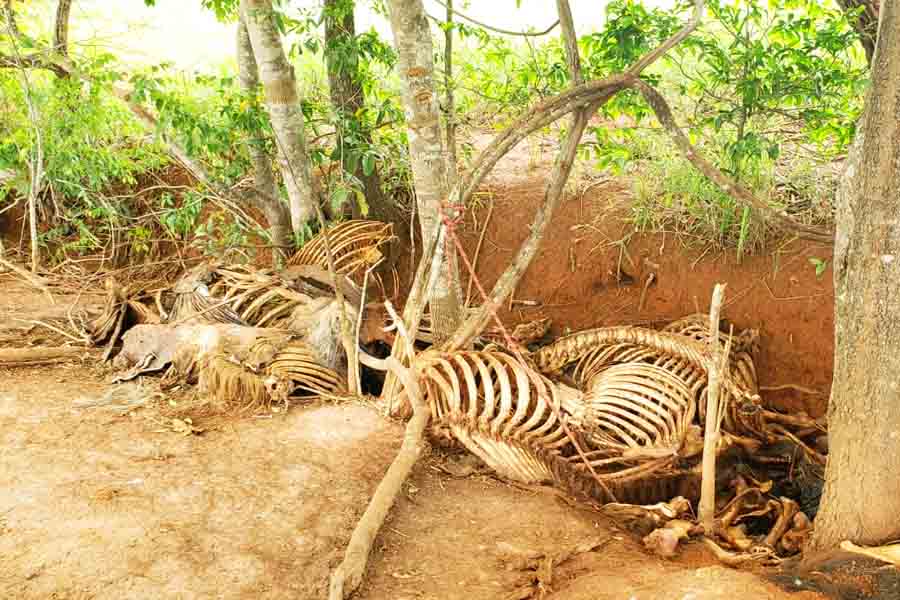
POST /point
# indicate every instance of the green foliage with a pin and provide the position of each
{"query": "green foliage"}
(762, 67)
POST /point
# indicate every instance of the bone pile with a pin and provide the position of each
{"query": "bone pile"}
(250, 338)
(615, 416)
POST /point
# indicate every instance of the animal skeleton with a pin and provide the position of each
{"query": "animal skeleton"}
(355, 246)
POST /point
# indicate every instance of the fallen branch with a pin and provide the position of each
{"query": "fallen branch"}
(348, 576)
(780, 219)
(26, 357)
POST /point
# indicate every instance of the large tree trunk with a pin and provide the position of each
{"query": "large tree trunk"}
(283, 105)
(415, 51)
(347, 95)
(861, 499)
(276, 212)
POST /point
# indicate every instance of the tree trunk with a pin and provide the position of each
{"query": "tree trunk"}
(861, 499)
(276, 212)
(866, 24)
(415, 51)
(449, 101)
(61, 27)
(283, 105)
(347, 96)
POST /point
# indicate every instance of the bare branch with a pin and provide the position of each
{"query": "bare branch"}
(707, 507)
(451, 10)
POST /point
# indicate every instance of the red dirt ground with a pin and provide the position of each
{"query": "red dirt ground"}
(98, 505)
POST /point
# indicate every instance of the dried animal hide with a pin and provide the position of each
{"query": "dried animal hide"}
(318, 322)
(150, 348)
(120, 311)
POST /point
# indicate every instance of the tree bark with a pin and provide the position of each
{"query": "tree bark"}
(276, 212)
(415, 51)
(861, 498)
(347, 96)
(282, 103)
(61, 27)
(449, 101)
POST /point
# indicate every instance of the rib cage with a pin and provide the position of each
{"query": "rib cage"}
(638, 410)
(509, 416)
(488, 401)
(355, 246)
(257, 296)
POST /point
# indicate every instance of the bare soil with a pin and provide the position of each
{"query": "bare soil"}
(95, 504)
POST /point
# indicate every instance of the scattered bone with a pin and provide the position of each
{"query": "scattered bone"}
(538, 566)
(664, 540)
(787, 509)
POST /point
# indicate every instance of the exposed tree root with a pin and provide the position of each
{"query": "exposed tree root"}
(348, 576)
(24, 357)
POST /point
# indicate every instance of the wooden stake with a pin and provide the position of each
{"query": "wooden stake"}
(707, 508)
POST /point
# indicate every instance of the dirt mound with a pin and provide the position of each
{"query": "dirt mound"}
(96, 506)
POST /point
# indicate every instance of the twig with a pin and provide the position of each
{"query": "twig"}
(359, 319)
(348, 576)
(650, 279)
(792, 386)
(452, 10)
(707, 508)
(81, 340)
(478, 250)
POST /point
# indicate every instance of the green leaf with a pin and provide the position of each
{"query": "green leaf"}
(368, 164)
(820, 265)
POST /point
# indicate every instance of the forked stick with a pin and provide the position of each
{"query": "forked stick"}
(348, 576)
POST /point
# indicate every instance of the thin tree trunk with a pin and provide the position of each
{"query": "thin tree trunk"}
(415, 51)
(61, 27)
(449, 101)
(36, 164)
(282, 102)
(347, 95)
(866, 24)
(861, 498)
(276, 212)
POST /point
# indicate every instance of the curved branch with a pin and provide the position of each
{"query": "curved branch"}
(779, 219)
(497, 29)
(586, 99)
(61, 29)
